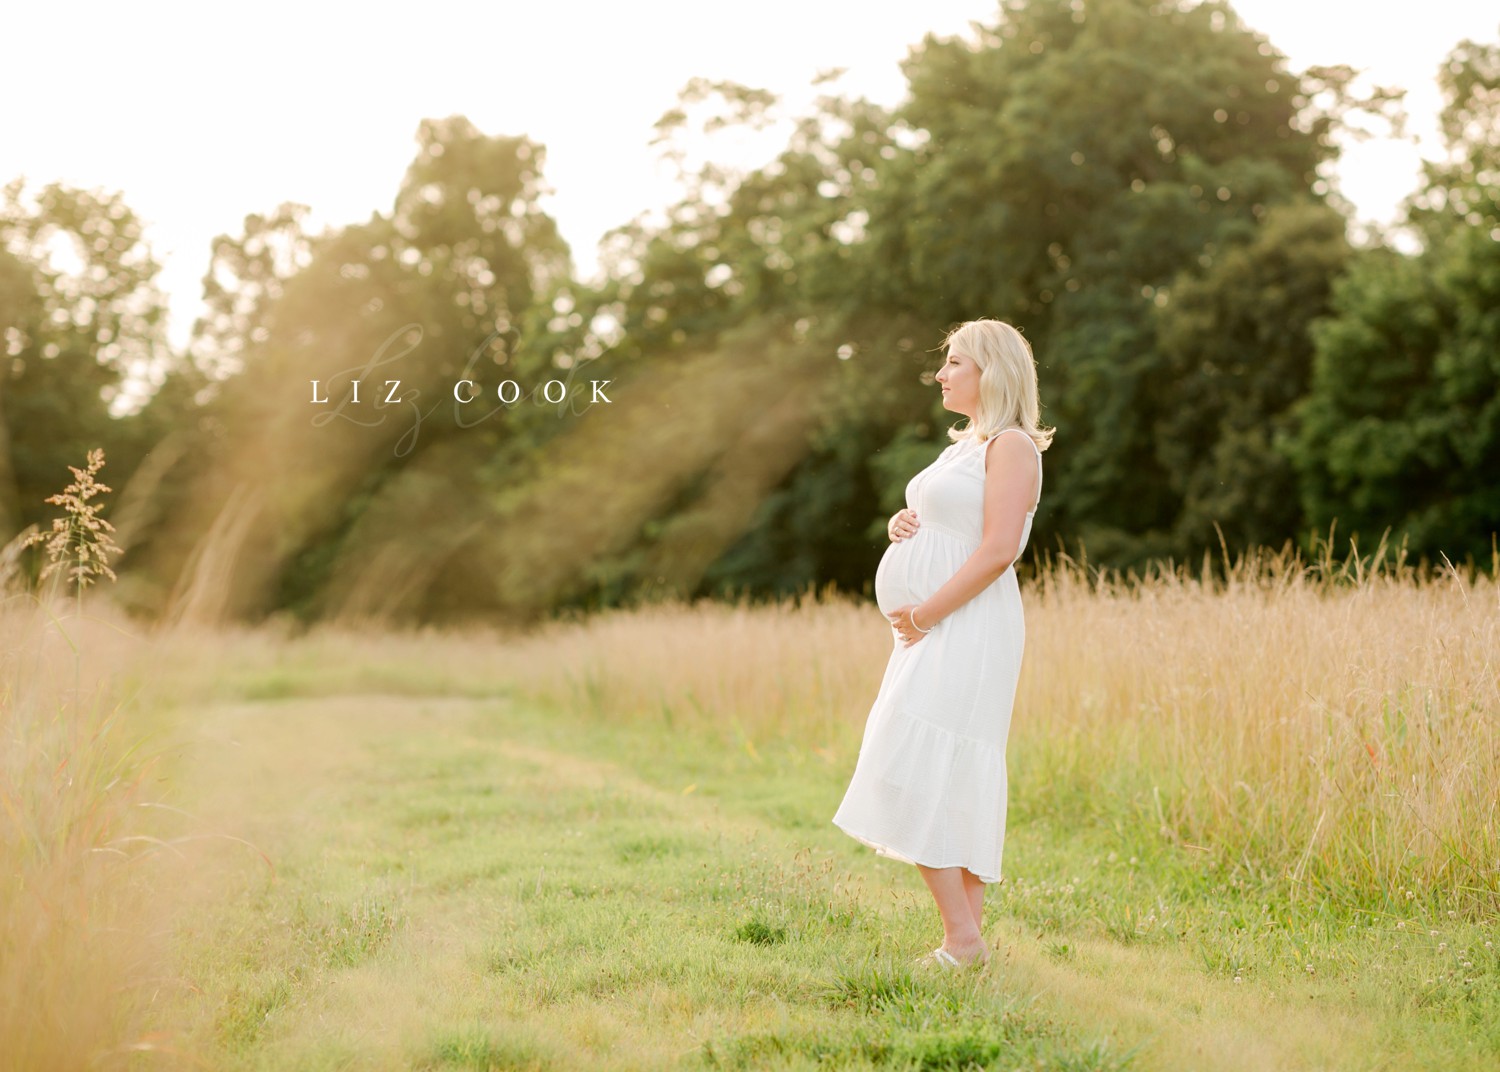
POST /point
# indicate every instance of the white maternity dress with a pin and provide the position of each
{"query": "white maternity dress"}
(929, 786)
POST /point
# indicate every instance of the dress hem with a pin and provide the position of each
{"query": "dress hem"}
(882, 849)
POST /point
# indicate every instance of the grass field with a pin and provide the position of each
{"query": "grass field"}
(1252, 826)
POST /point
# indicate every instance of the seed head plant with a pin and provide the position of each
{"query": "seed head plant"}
(80, 538)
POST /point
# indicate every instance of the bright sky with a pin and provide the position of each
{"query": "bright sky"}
(204, 113)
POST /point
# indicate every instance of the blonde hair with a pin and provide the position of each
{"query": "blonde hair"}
(1008, 396)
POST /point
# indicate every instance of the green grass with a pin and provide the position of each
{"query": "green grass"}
(468, 884)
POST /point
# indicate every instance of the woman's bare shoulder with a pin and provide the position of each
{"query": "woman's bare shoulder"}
(1009, 447)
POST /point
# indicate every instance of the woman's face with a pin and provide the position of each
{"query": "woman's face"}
(959, 378)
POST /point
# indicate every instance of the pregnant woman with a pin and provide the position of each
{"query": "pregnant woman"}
(930, 783)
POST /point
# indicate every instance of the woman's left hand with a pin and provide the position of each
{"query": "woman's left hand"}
(901, 621)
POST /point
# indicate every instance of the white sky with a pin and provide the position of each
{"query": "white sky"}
(203, 113)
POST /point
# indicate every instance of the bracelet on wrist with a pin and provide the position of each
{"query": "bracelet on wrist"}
(913, 615)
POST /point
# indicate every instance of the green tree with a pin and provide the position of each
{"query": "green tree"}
(435, 291)
(1073, 163)
(1076, 169)
(765, 254)
(1401, 426)
(1235, 336)
(80, 316)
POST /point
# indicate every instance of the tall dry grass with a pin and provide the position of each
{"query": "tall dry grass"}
(1321, 726)
(78, 944)
(1324, 727)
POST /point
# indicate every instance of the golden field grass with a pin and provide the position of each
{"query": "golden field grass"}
(606, 841)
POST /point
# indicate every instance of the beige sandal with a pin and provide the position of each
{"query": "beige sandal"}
(944, 959)
(940, 957)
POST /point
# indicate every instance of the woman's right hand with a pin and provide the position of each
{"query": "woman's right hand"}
(903, 523)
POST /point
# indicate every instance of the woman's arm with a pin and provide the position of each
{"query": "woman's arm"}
(1009, 493)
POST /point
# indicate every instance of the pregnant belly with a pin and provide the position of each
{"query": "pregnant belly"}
(894, 577)
(911, 570)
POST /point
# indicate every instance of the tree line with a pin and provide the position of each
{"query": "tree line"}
(1142, 187)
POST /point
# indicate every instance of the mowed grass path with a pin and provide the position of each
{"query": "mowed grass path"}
(452, 883)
